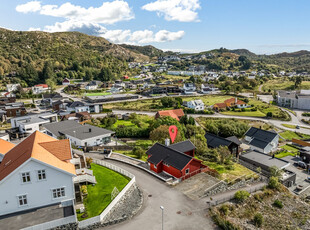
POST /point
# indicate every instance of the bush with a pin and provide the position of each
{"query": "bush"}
(138, 152)
(277, 203)
(224, 209)
(269, 114)
(241, 195)
(243, 109)
(258, 220)
(273, 183)
(258, 197)
(84, 189)
(106, 110)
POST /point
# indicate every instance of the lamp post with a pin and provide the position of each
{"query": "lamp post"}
(162, 217)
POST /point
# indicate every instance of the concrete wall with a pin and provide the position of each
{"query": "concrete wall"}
(39, 193)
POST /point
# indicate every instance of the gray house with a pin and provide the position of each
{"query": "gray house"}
(262, 140)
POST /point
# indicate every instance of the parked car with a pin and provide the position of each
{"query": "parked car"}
(297, 127)
(302, 164)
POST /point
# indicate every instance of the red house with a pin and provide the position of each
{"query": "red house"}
(176, 160)
(175, 113)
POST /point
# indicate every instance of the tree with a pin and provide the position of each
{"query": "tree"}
(47, 72)
(273, 182)
(269, 114)
(51, 83)
(138, 152)
(224, 155)
(241, 195)
(275, 171)
(258, 220)
(298, 81)
(161, 133)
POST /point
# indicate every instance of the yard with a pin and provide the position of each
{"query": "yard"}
(143, 119)
(99, 196)
(98, 94)
(282, 84)
(289, 135)
(288, 150)
(231, 173)
(245, 113)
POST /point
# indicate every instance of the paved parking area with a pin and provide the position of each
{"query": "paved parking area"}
(34, 217)
(301, 174)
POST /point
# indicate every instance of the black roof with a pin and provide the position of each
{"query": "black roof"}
(76, 104)
(183, 146)
(260, 134)
(259, 143)
(51, 96)
(216, 141)
(234, 139)
(176, 159)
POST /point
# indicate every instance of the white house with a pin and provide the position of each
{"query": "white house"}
(79, 135)
(41, 88)
(262, 140)
(197, 105)
(36, 173)
(93, 85)
(12, 87)
(207, 89)
(78, 106)
(31, 123)
(294, 99)
(189, 88)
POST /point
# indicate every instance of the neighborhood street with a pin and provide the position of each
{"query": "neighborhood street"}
(180, 212)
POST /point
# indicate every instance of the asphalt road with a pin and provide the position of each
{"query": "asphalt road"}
(180, 212)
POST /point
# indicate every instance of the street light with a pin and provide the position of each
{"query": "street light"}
(162, 217)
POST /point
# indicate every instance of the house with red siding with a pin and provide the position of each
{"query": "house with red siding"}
(176, 160)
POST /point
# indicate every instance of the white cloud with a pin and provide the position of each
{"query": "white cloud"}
(33, 6)
(175, 10)
(107, 13)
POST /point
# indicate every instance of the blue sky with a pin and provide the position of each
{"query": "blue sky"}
(262, 26)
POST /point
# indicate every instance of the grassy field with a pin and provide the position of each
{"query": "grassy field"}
(144, 121)
(282, 84)
(289, 135)
(289, 126)
(98, 94)
(99, 196)
(230, 174)
(290, 148)
(284, 154)
(245, 113)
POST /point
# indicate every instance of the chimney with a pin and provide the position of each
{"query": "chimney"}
(90, 130)
(167, 142)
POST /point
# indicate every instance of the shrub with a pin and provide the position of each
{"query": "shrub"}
(224, 224)
(84, 189)
(258, 220)
(224, 209)
(277, 203)
(241, 195)
(258, 197)
(269, 114)
(273, 183)
(243, 109)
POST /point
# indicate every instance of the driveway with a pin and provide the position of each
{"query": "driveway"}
(180, 212)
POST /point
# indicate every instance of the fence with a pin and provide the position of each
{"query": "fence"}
(97, 219)
(230, 197)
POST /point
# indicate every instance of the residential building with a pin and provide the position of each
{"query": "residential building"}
(78, 107)
(36, 173)
(232, 143)
(231, 102)
(189, 88)
(294, 99)
(93, 85)
(29, 124)
(4, 136)
(197, 105)
(66, 81)
(304, 154)
(262, 140)
(114, 97)
(175, 113)
(14, 109)
(12, 87)
(80, 116)
(173, 160)
(2, 115)
(41, 88)
(79, 135)
(207, 89)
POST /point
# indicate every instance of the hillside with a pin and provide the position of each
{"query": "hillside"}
(67, 52)
(149, 51)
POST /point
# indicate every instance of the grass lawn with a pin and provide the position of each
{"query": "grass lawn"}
(228, 174)
(290, 148)
(99, 196)
(98, 94)
(289, 135)
(144, 121)
(284, 154)
(284, 85)
(245, 113)
(289, 126)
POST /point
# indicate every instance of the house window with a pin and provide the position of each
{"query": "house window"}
(22, 200)
(187, 171)
(58, 192)
(26, 177)
(41, 174)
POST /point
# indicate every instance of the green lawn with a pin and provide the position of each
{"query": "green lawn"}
(283, 84)
(144, 121)
(290, 148)
(284, 154)
(245, 113)
(99, 196)
(98, 94)
(289, 135)
(123, 122)
(230, 174)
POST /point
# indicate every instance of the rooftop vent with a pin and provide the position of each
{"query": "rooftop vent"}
(90, 130)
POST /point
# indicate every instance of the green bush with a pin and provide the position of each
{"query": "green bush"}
(258, 220)
(277, 203)
(224, 224)
(258, 197)
(224, 209)
(241, 195)
(273, 183)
